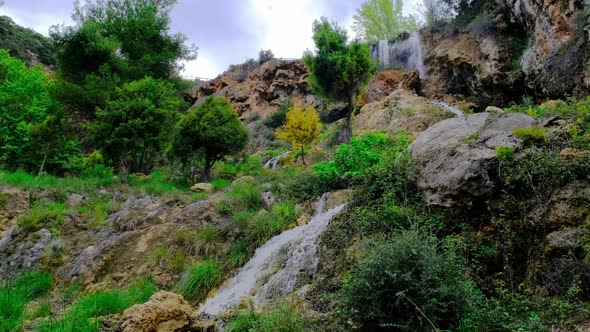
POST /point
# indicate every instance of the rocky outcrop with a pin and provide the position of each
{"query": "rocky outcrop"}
(257, 91)
(453, 157)
(164, 312)
(401, 110)
(556, 61)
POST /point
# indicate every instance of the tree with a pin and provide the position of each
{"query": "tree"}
(265, 56)
(301, 128)
(30, 119)
(134, 125)
(379, 20)
(115, 42)
(436, 12)
(210, 131)
(338, 70)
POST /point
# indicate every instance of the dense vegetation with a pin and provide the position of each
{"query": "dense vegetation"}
(110, 128)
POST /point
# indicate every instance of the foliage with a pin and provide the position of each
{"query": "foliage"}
(86, 312)
(436, 12)
(352, 159)
(282, 318)
(135, 124)
(531, 134)
(382, 20)
(32, 122)
(15, 294)
(211, 130)
(43, 215)
(411, 282)
(207, 241)
(279, 117)
(245, 196)
(265, 56)
(25, 44)
(505, 153)
(199, 280)
(301, 128)
(338, 69)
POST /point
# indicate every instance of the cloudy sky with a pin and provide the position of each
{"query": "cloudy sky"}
(226, 31)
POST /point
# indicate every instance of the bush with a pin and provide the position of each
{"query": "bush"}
(530, 135)
(265, 56)
(354, 158)
(409, 282)
(279, 117)
(43, 215)
(199, 280)
(246, 197)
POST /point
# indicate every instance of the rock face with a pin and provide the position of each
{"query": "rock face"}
(401, 110)
(256, 91)
(556, 60)
(453, 156)
(164, 312)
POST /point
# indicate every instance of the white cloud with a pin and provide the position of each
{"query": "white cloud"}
(38, 21)
(202, 67)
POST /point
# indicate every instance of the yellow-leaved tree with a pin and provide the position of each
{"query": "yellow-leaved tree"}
(301, 128)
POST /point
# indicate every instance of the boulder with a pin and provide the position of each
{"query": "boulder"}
(453, 157)
(494, 109)
(202, 187)
(75, 200)
(163, 312)
(565, 240)
(401, 110)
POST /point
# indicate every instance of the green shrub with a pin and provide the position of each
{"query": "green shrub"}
(33, 284)
(285, 211)
(279, 117)
(530, 135)
(409, 282)
(505, 153)
(302, 185)
(357, 156)
(219, 184)
(199, 280)
(238, 253)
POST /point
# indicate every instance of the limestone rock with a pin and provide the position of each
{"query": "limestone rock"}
(164, 312)
(75, 200)
(453, 156)
(494, 109)
(202, 187)
(566, 240)
(401, 110)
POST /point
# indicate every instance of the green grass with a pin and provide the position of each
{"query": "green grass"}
(530, 135)
(15, 295)
(199, 280)
(245, 197)
(43, 215)
(84, 313)
(207, 241)
(219, 184)
(282, 318)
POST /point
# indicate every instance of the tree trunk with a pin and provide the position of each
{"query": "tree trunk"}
(207, 170)
(43, 163)
(345, 133)
(303, 156)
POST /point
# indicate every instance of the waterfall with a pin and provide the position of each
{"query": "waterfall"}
(277, 267)
(448, 107)
(383, 53)
(415, 60)
(273, 163)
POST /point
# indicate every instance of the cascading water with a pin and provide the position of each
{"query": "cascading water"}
(383, 53)
(415, 60)
(276, 267)
(273, 163)
(448, 107)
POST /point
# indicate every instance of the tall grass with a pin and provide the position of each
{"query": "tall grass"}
(282, 318)
(246, 197)
(15, 295)
(84, 314)
(199, 280)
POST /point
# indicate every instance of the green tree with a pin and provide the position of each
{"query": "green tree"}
(135, 124)
(338, 69)
(115, 42)
(26, 44)
(301, 128)
(30, 120)
(379, 20)
(210, 131)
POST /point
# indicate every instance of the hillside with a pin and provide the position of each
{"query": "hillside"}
(435, 181)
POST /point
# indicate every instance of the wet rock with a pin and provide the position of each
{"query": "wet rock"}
(202, 187)
(454, 156)
(163, 312)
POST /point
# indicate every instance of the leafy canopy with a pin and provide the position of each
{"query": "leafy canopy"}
(379, 20)
(136, 123)
(338, 69)
(301, 128)
(26, 112)
(211, 130)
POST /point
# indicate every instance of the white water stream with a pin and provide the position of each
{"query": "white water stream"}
(278, 267)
